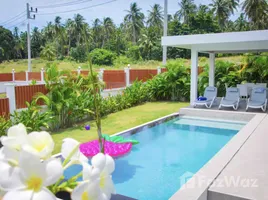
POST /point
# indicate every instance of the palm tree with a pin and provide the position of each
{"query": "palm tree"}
(155, 18)
(18, 47)
(48, 31)
(147, 41)
(48, 52)
(108, 29)
(187, 7)
(257, 12)
(79, 22)
(97, 33)
(134, 21)
(232, 4)
(241, 24)
(70, 29)
(222, 10)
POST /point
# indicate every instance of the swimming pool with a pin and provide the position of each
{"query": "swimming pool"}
(165, 153)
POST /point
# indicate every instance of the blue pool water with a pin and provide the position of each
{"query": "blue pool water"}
(153, 168)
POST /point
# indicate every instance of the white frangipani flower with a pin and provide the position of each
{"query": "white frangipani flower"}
(16, 137)
(35, 176)
(39, 143)
(71, 146)
(9, 160)
(105, 164)
(90, 187)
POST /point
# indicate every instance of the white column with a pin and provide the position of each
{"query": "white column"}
(212, 69)
(194, 74)
(165, 31)
(158, 70)
(27, 76)
(78, 70)
(13, 75)
(126, 69)
(101, 74)
(42, 75)
(10, 92)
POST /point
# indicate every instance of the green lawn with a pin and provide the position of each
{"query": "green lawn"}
(119, 121)
(37, 64)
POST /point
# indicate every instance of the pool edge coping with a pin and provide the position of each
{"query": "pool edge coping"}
(212, 169)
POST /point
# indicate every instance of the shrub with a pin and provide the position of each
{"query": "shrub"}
(79, 53)
(171, 85)
(102, 57)
(33, 117)
(134, 53)
(121, 61)
(4, 125)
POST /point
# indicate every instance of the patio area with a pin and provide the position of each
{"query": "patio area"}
(233, 42)
(241, 108)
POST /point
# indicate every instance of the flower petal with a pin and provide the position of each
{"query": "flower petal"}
(17, 131)
(7, 153)
(31, 165)
(54, 171)
(43, 194)
(10, 176)
(79, 190)
(40, 143)
(67, 147)
(98, 161)
(90, 173)
(90, 189)
(109, 165)
(108, 188)
(21, 194)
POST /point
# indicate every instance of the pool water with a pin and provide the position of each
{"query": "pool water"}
(165, 153)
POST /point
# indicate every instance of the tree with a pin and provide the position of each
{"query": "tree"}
(48, 52)
(257, 12)
(6, 44)
(134, 21)
(79, 27)
(18, 47)
(241, 24)
(70, 30)
(155, 18)
(36, 42)
(187, 8)
(147, 41)
(221, 10)
(108, 29)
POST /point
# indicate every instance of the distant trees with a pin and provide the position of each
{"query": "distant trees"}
(138, 36)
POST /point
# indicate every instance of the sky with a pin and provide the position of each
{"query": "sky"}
(115, 9)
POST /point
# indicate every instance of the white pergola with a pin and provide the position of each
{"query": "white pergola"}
(233, 42)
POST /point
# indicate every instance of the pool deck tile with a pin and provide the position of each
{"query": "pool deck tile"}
(250, 163)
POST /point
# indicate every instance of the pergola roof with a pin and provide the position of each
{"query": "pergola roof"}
(233, 42)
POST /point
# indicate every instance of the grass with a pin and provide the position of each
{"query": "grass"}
(119, 121)
(37, 64)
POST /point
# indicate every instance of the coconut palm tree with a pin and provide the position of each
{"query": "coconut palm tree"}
(155, 18)
(257, 12)
(97, 33)
(232, 4)
(70, 30)
(241, 24)
(48, 31)
(187, 7)
(108, 29)
(134, 21)
(79, 22)
(221, 8)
